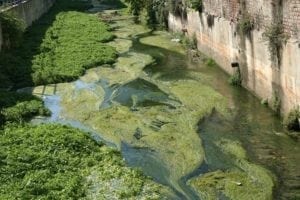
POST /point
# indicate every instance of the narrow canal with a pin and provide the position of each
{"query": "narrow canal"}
(179, 121)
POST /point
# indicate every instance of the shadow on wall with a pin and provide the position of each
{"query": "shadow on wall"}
(17, 54)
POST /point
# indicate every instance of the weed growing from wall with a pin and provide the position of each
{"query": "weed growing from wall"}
(236, 78)
(195, 4)
(245, 24)
(275, 36)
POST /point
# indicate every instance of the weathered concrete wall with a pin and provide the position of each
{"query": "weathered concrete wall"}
(29, 11)
(217, 36)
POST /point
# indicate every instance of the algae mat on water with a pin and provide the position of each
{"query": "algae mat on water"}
(165, 128)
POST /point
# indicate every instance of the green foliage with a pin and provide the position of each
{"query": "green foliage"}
(195, 4)
(54, 161)
(190, 43)
(210, 62)
(58, 47)
(12, 30)
(276, 37)
(136, 6)
(291, 122)
(245, 24)
(70, 46)
(236, 79)
(20, 107)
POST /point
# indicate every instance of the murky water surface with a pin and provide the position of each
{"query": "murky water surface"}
(180, 122)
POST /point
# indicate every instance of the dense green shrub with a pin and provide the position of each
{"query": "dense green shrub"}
(54, 161)
(72, 44)
(137, 6)
(58, 47)
(20, 107)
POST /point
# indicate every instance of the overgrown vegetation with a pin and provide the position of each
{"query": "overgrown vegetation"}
(195, 4)
(58, 48)
(157, 10)
(236, 78)
(54, 162)
(245, 24)
(20, 107)
(292, 121)
(210, 62)
(276, 37)
(190, 43)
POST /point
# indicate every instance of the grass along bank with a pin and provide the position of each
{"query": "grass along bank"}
(58, 47)
(54, 161)
(59, 162)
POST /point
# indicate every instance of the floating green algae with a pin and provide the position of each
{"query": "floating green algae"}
(243, 180)
(169, 132)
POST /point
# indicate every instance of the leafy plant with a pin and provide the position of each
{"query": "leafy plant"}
(20, 107)
(210, 62)
(55, 161)
(190, 43)
(245, 24)
(195, 4)
(236, 79)
(59, 47)
(276, 37)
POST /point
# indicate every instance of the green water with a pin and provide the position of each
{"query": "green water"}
(179, 121)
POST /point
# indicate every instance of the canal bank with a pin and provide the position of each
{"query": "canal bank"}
(149, 104)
